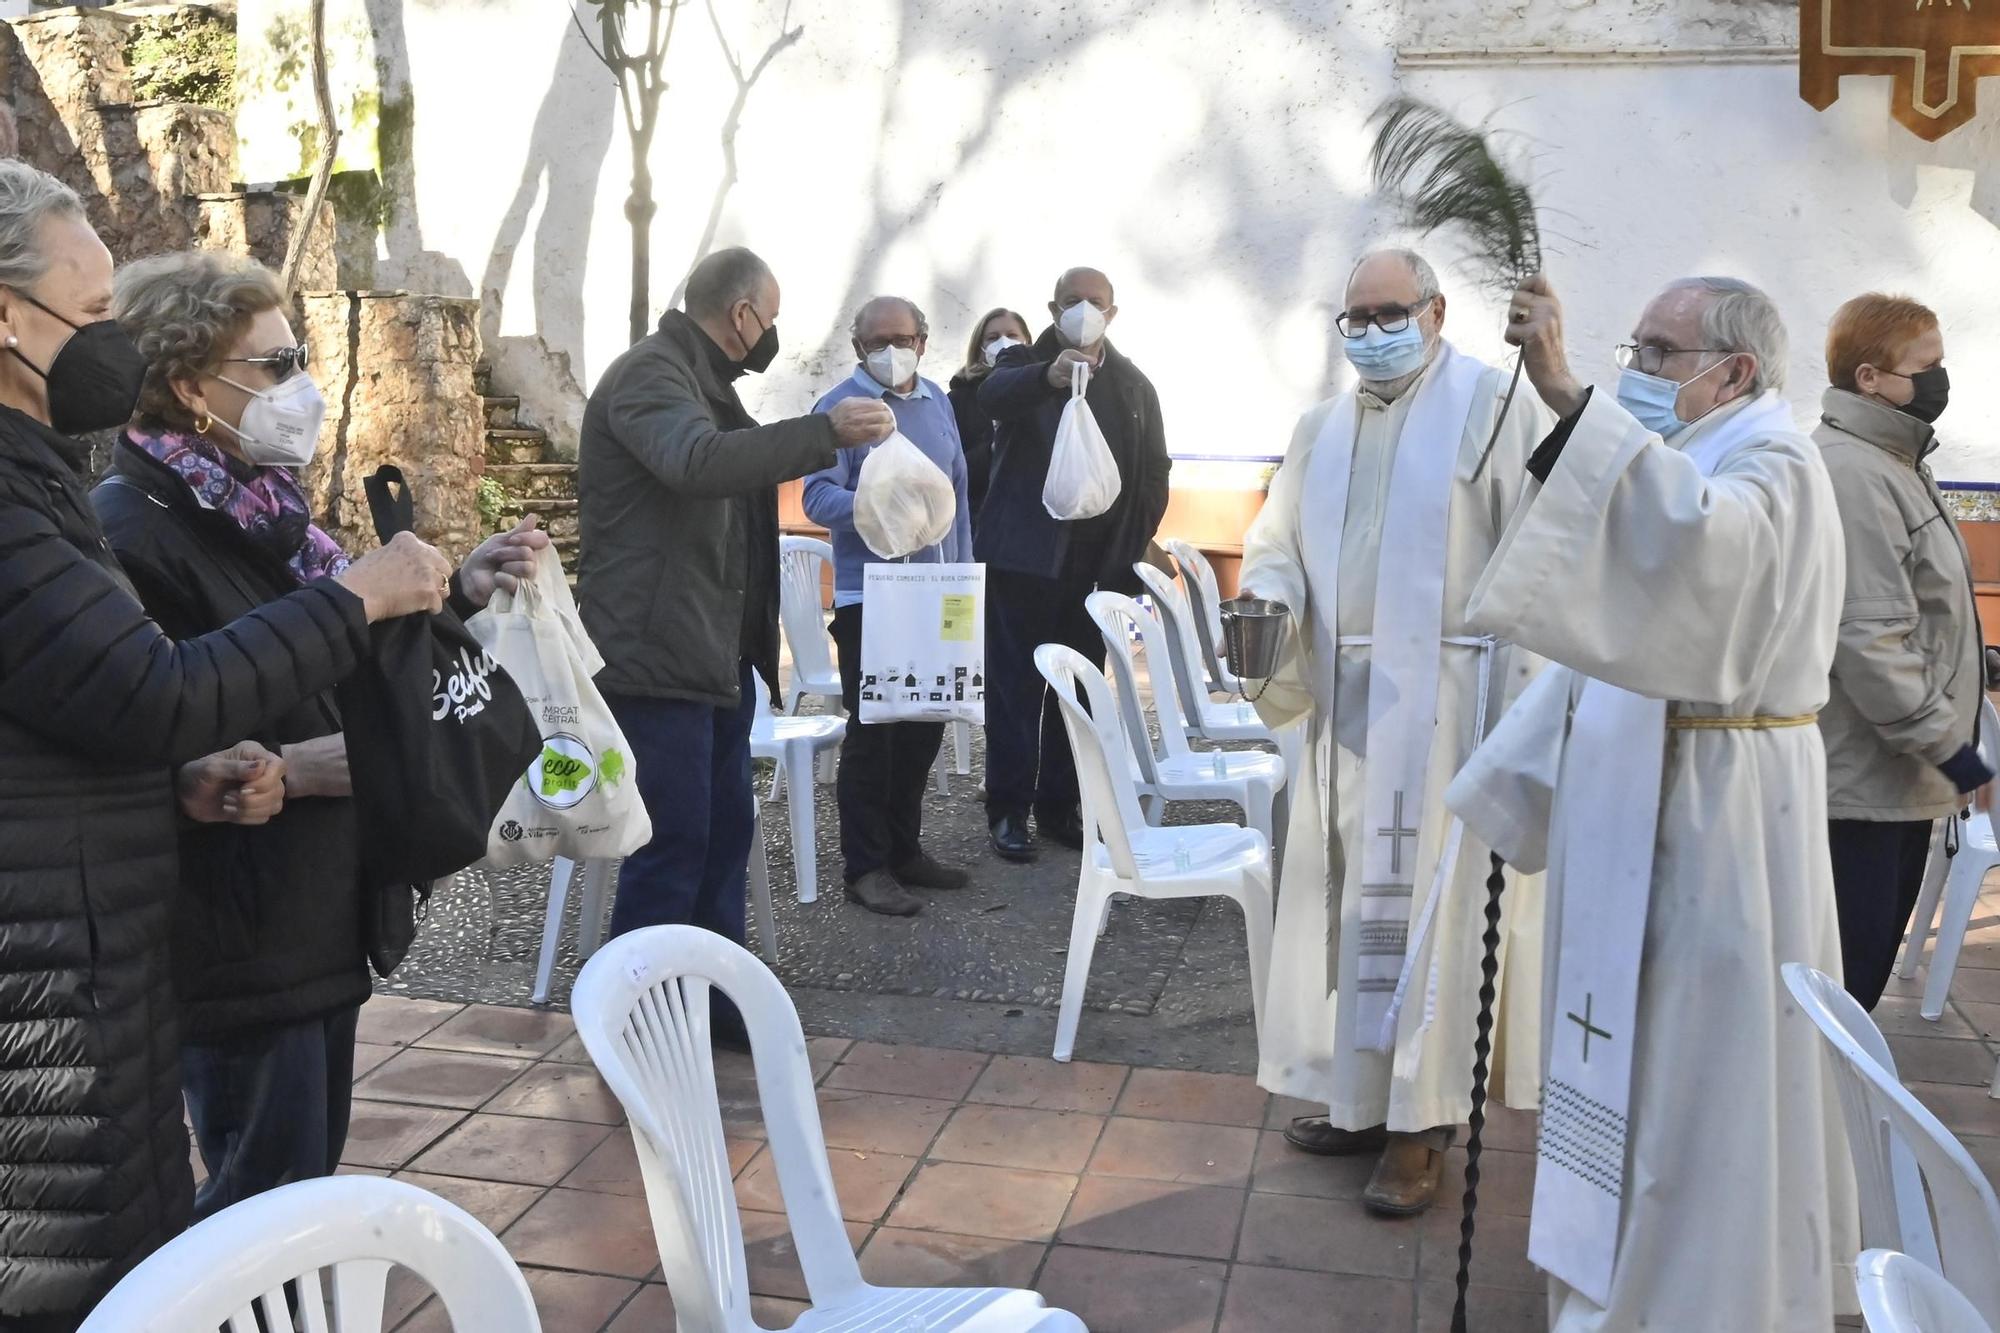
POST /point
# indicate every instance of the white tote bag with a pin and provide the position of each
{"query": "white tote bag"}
(1083, 476)
(923, 643)
(904, 502)
(579, 798)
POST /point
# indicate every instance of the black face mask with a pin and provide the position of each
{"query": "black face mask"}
(1931, 394)
(765, 350)
(94, 379)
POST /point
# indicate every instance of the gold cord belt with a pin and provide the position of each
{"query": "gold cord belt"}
(1698, 722)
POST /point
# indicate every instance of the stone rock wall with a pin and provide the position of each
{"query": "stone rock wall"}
(397, 372)
(1597, 23)
(259, 223)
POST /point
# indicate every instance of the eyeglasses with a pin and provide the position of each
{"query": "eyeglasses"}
(905, 341)
(1389, 319)
(1647, 359)
(280, 363)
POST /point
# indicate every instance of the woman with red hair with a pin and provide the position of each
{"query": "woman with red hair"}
(1907, 674)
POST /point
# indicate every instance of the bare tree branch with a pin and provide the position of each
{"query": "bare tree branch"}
(329, 148)
(584, 33)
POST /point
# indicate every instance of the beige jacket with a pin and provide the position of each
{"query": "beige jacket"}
(1908, 671)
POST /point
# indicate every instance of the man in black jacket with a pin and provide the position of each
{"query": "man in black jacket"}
(679, 577)
(1040, 569)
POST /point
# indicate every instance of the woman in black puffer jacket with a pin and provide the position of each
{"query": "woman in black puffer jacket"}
(97, 706)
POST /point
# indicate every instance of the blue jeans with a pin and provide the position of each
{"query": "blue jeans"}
(693, 767)
(269, 1107)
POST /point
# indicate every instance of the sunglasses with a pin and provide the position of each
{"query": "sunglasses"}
(280, 363)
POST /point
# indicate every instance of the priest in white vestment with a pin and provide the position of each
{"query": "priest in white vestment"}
(1680, 556)
(1390, 502)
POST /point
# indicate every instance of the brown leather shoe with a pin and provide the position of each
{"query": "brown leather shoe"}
(1313, 1134)
(1407, 1179)
(877, 892)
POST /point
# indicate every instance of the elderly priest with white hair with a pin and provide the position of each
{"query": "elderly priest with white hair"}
(1680, 557)
(1391, 500)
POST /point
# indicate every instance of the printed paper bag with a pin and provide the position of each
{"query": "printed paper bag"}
(923, 643)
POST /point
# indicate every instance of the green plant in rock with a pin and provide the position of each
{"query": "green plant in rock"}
(493, 502)
(190, 57)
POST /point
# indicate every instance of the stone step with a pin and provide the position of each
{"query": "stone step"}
(503, 411)
(513, 446)
(559, 517)
(535, 481)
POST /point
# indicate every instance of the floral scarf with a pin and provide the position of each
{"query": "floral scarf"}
(266, 502)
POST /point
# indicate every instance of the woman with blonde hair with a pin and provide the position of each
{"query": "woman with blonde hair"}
(997, 330)
(1908, 670)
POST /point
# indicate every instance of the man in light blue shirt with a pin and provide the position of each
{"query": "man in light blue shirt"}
(884, 767)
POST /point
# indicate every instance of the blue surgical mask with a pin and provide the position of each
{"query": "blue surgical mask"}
(1380, 356)
(1651, 399)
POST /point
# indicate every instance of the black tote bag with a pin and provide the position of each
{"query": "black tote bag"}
(436, 735)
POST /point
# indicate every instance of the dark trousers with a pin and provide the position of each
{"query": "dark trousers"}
(884, 768)
(1028, 761)
(694, 776)
(269, 1107)
(1878, 870)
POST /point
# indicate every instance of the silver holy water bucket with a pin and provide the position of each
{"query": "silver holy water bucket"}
(1253, 634)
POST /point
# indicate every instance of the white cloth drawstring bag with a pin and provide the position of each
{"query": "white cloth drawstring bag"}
(1083, 476)
(903, 502)
(580, 798)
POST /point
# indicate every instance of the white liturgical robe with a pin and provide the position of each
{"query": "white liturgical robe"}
(1702, 580)
(1324, 1037)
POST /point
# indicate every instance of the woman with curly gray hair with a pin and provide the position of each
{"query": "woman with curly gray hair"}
(97, 708)
(202, 507)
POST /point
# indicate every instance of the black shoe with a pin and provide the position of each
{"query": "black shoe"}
(1065, 828)
(923, 872)
(1009, 835)
(877, 892)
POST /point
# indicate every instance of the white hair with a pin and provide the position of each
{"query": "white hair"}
(874, 303)
(28, 198)
(1739, 317)
(1420, 269)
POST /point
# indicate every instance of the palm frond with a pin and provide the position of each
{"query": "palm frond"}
(1444, 174)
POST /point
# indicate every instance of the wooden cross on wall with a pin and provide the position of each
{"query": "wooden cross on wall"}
(1935, 52)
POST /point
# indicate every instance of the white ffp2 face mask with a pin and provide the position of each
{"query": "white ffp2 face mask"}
(892, 367)
(993, 349)
(280, 426)
(1083, 324)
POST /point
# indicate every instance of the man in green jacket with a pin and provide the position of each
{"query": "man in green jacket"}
(679, 578)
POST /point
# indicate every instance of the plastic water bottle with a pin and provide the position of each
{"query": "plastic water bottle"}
(1220, 769)
(1182, 861)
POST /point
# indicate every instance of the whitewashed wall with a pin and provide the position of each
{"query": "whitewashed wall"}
(1209, 154)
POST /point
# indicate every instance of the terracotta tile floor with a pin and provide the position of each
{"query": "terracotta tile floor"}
(1146, 1201)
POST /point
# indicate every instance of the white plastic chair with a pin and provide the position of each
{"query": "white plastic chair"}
(1204, 597)
(1900, 1295)
(334, 1237)
(1127, 855)
(793, 743)
(1978, 853)
(1937, 864)
(642, 1008)
(590, 913)
(1251, 779)
(589, 917)
(801, 565)
(1902, 1153)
